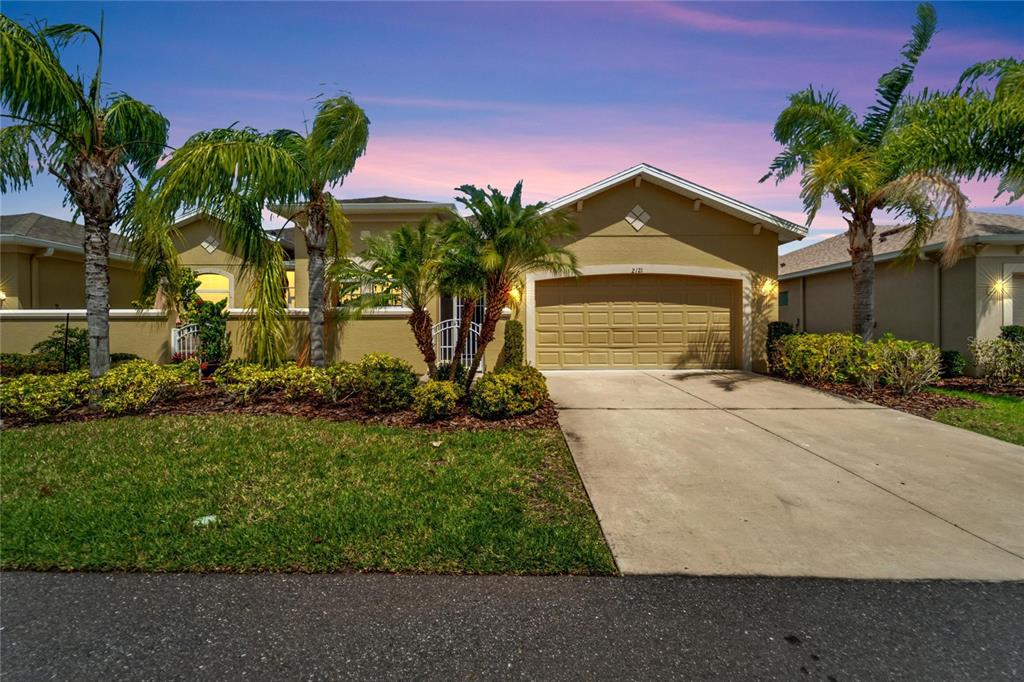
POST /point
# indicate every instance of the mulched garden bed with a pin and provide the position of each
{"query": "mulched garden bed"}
(208, 399)
(975, 385)
(924, 404)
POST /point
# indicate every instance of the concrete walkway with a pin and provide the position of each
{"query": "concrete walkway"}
(731, 473)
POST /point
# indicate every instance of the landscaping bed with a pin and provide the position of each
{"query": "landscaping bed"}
(923, 404)
(248, 492)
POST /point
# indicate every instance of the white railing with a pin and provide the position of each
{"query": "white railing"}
(446, 334)
(185, 340)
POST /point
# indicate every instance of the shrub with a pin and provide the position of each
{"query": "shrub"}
(344, 381)
(244, 381)
(186, 371)
(508, 393)
(52, 347)
(38, 397)
(908, 365)
(16, 364)
(776, 331)
(823, 358)
(212, 318)
(132, 386)
(953, 364)
(301, 382)
(999, 361)
(512, 350)
(386, 383)
(443, 369)
(1012, 332)
(435, 400)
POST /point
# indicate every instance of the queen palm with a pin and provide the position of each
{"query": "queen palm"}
(905, 156)
(511, 241)
(405, 260)
(86, 140)
(228, 171)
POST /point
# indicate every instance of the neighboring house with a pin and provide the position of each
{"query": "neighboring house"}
(672, 275)
(944, 306)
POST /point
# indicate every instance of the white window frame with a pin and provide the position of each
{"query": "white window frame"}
(1009, 270)
(223, 273)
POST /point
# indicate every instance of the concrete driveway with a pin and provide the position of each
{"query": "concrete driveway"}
(731, 473)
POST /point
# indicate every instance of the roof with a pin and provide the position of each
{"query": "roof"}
(381, 204)
(383, 199)
(787, 231)
(35, 229)
(889, 240)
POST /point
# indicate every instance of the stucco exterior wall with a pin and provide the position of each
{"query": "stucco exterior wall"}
(995, 302)
(34, 280)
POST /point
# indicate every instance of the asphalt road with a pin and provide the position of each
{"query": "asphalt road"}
(136, 626)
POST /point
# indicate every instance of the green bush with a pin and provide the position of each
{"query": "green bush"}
(38, 397)
(344, 381)
(953, 364)
(999, 361)
(133, 386)
(117, 358)
(301, 382)
(386, 383)
(508, 393)
(821, 358)
(908, 365)
(1012, 332)
(244, 381)
(776, 331)
(512, 351)
(186, 371)
(52, 347)
(443, 369)
(435, 400)
(16, 364)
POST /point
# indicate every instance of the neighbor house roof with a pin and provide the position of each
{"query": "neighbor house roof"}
(787, 231)
(42, 231)
(831, 254)
(381, 204)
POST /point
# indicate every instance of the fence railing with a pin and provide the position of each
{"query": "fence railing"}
(185, 341)
(446, 333)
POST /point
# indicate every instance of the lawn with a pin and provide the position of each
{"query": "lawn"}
(292, 494)
(999, 416)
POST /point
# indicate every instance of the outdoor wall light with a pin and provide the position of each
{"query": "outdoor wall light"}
(515, 295)
(1000, 287)
(769, 287)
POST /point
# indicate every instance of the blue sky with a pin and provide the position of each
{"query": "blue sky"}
(559, 94)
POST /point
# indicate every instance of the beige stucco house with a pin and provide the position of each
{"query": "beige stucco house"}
(944, 306)
(673, 274)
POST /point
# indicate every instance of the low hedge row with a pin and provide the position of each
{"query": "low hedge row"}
(839, 358)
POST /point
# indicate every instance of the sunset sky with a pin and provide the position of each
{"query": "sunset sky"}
(560, 95)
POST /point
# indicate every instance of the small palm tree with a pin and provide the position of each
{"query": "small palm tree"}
(234, 173)
(511, 241)
(86, 140)
(905, 156)
(405, 260)
(462, 275)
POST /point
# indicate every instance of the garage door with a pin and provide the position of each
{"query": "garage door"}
(636, 321)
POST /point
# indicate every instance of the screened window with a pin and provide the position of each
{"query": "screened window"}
(290, 291)
(783, 298)
(394, 295)
(214, 287)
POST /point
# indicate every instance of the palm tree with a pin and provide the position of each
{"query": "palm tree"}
(406, 260)
(229, 172)
(511, 240)
(462, 275)
(86, 140)
(905, 156)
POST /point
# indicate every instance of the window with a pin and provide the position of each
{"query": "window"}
(289, 294)
(783, 298)
(214, 287)
(394, 295)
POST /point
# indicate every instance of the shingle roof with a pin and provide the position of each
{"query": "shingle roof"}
(384, 199)
(45, 228)
(890, 239)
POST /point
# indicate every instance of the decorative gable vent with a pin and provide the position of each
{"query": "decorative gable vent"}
(638, 217)
(210, 244)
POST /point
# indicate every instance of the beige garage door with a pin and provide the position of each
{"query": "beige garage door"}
(636, 321)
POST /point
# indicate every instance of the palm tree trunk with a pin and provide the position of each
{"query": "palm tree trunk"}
(495, 306)
(316, 246)
(95, 184)
(422, 330)
(468, 308)
(862, 260)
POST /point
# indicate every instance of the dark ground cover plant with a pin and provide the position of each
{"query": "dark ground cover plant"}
(1012, 332)
(283, 493)
(776, 331)
(953, 364)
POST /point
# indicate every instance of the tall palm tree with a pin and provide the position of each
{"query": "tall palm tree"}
(905, 156)
(229, 172)
(406, 260)
(512, 240)
(88, 141)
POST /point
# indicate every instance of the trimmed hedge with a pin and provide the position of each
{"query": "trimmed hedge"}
(508, 393)
(513, 352)
(435, 400)
(386, 383)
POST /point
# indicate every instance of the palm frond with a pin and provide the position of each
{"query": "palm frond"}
(812, 120)
(1008, 74)
(151, 236)
(139, 129)
(21, 156)
(925, 197)
(340, 234)
(894, 83)
(835, 168)
(338, 138)
(265, 327)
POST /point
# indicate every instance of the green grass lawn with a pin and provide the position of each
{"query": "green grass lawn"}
(292, 494)
(1000, 417)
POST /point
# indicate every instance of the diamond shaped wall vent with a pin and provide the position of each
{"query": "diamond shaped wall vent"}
(638, 217)
(210, 244)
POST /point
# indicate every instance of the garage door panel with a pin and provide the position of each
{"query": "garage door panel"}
(635, 321)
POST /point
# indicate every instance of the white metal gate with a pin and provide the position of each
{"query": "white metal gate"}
(446, 333)
(185, 341)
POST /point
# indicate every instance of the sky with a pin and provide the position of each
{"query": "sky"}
(560, 95)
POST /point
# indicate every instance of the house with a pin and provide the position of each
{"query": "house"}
(672, 275)
(944, 306)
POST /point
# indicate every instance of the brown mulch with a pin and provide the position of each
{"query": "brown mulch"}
(975, 385)
(208, 399)
(923, 404)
